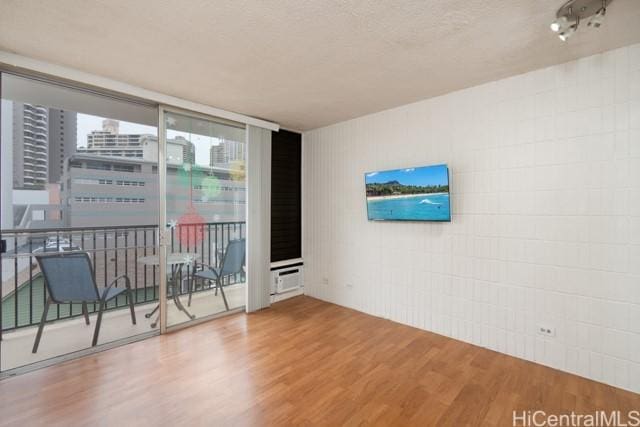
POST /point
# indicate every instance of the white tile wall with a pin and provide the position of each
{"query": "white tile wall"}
(545, 181)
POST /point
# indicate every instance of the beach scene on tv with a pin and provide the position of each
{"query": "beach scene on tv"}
(411, 194)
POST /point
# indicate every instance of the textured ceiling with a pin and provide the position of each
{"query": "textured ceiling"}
(303, 63)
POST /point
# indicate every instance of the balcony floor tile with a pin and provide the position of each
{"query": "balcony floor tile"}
(67, 336)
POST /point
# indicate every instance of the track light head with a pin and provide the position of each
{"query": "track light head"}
(564, 35)
(597, 19)
(569, 31)
(559, 24)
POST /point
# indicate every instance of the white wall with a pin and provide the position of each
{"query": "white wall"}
(546, 216)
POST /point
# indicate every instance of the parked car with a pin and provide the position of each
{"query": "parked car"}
(55, 245)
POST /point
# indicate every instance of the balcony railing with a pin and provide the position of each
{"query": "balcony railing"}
(113, 250)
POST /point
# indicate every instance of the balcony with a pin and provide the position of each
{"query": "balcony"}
(113, 251)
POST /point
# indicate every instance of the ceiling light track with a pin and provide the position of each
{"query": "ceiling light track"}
(571, 13)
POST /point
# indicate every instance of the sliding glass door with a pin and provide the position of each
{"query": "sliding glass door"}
(138, 210)
(80, 192)
(205, 216)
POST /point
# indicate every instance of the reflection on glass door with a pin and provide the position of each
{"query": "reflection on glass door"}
(206, 214)
(79, 208)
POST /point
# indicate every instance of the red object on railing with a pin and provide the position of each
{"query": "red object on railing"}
(190, 228)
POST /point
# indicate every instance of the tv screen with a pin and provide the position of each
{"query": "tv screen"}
(409, 194)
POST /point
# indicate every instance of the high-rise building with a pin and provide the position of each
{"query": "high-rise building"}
(30, 146)
(63, 129)
(38, 141)
(226, 152)
(109, 142)
(235, 150)
(188, 149)
(216, 155)
(42, 137)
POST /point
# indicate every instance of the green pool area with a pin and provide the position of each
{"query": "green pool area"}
(31, 299)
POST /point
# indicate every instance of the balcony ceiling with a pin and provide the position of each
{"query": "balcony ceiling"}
(304, 63)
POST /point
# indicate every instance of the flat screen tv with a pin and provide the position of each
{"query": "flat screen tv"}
(409, 194)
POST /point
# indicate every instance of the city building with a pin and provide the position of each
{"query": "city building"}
(110, 142)
(217, 155)
(63, 129)
(179, 149)
(38, 140)
(101, 191)
(30, 140)
(227, 152)
(41, 138)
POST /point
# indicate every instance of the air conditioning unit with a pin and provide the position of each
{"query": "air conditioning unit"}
(286, 278)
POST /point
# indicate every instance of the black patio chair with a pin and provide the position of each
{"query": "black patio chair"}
(232, 263)
(69, 279)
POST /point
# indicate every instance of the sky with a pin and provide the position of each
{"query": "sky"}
(88, 123)
(426, 175)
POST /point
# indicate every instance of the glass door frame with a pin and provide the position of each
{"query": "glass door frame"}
(163, 232)
(63, 83)
(162, 216)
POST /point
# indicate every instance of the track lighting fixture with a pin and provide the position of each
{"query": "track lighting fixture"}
(570, 14)
(559, 24)
(564, 35)
(597, 19)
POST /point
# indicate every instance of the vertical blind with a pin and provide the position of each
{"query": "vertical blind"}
(258, 218)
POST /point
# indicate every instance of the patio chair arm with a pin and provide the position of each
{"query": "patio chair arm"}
(127, 283)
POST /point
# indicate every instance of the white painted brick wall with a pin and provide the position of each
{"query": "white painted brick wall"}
(545, 179)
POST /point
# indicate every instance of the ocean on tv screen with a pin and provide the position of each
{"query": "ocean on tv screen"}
(410, 194)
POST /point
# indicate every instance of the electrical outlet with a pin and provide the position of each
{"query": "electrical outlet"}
(349, 285)
(325, 281)
(546, 330)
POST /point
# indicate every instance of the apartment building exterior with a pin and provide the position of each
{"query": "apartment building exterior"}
(30, 146)
(227, 152)
(63, 130)
(103, 191)
(111, 143)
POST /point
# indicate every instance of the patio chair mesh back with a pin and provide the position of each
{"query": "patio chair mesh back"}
(69, 277)
(233, 257)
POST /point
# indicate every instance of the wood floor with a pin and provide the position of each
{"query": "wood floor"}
(301, 362)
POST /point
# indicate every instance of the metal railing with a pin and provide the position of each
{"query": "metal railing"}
(113, 250)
